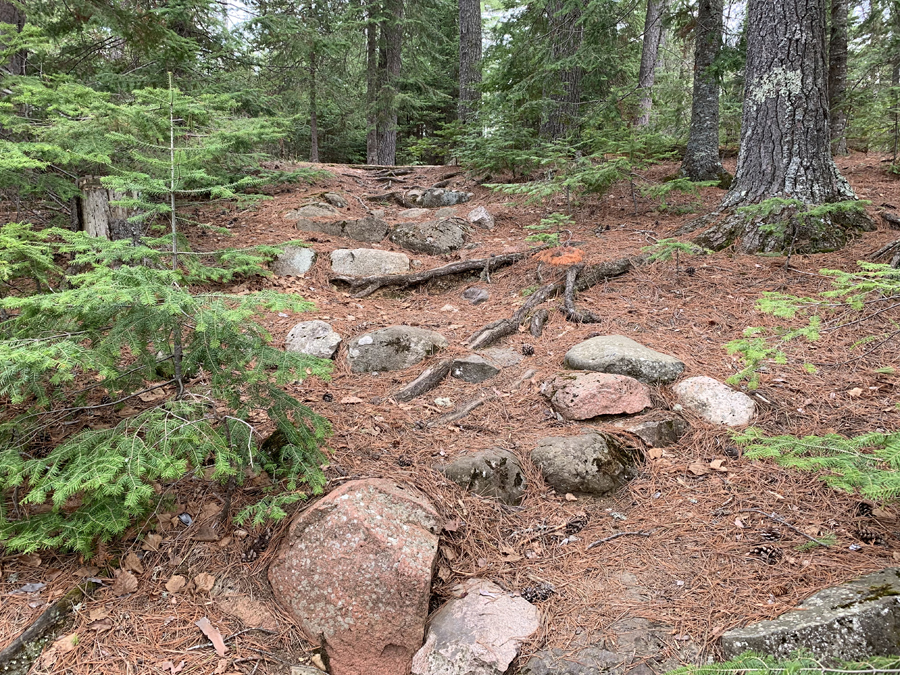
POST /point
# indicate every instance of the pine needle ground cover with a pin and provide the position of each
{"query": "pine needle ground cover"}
(695, 573)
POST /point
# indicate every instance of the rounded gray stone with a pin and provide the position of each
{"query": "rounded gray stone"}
(715, 402)
(490, 473)
(619, 355)
(294, 261)
(315, 338)
(473, 369)
(364, 262)
(393, 348)
(591, 463)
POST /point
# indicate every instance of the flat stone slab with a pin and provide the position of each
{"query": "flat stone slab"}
(657, 433)
(581, 396)
(317, 210)
(850, 622)
(620, 355)
(414, 214)
(393, 348)
(315, 338)
(435, 198)
(432, 237)
(473, 369)
(478, 633)
(364, 262)
(335, 200)
(294, 261)
(490, 473)
(369, 229)
(714, 401)
(588, 463)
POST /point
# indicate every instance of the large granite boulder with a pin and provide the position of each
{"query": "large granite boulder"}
(850, 622)
(365, 262)
(435, 198)
(591, 463)
(490, 473)
(715, 402)
(620, 355)
(355, 573)
(393, 348)
(294, 261)
(315, 338)
(370, 229)
(478, 633)
(432, 237)
(581, 396)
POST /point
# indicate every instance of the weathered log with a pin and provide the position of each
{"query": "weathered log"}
(428, 380)
(373, 283)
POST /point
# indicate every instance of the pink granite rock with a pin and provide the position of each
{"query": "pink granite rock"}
(355, 571)
(580, 396)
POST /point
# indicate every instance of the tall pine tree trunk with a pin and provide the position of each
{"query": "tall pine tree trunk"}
(389, 74)
(313, 122)
(653, 36)
(469, 58)
(785, 137)
(701, 160)
(562, 91)
(11, 14)
(371, 83)
(837, 76)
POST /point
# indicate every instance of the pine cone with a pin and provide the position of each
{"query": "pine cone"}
(769, 554)
(528, 350)
(867, 536)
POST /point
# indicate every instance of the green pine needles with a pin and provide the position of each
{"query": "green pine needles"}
(124, 377)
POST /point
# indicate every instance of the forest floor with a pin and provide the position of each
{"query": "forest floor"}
(693, 573)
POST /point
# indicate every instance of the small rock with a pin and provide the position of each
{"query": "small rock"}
(473, 369)
(657, 433)
(581, 396)
(433, 237)
(435, 198)
(502, 356)
(335, 199)
(294, 261)
(715, 402)
(317, 210)
(481, 217)
(364, 262)
(590, 463)
(449, 308)
(414, 214)
(393, 348)
(315, 338)
(489, 473)
(620, 355)
(479, 633)
(305, 670)
(475, 295)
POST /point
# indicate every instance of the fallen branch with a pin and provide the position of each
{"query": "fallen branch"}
(538, 319)
(460, 412)
(782, 521)
(616, 536)
(18, 656)
(573, 314)
(428, 380)
(892, 219)
(373, 283)
(887, 248)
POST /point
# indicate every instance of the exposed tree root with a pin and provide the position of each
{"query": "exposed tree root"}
(538, 319)
(18, 656)
(572, 314)
(428, 380)
(460, 412)
(893, 247)
(892, 219)
(371, 284)
(590, 276)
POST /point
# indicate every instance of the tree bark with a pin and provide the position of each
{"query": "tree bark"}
(313, 122)
(469, 58)
(562, 90)
(389, 74)
(11, 14)
(371, 84)
(701, 160)
(785, 138)
(653, 34)
(837, 76)
(98, 217)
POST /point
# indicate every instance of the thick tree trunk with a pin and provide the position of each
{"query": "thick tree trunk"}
(469, 58)
(98, 217)
(371, 84)
(313, 122)
(563, 90)
(653, 35)
(11, 14)
(389, 66)
(785, 138)
(837, 76)
(701, 160)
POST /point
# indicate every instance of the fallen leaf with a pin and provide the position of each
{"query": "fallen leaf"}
(221, 666)
(570, 497)
(152, 542)
(716, 465)
(171, 667)
(66, 643)
(206, 533)
(102, 625)
(204, 582)
(444, 572)
(132, 563)
(698, 468)
(30, 560)
(351, 399)
(83, 572)
(451, 526)
(175, 583)
(209, 510)
(856, 392)
(739, 523)
(98, 613)
(655, 453)
(316, 660)
(881, 514)
(125, 583)
(214, 635)
(154, 395)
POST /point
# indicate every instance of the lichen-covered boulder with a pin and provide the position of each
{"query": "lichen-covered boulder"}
(490, 473)
(432, 237)
(355, 572)
(620, 355)
(365, 262)
(294, 261)
(315, 338)
(714, 401)
(591, 463)
(393, 348)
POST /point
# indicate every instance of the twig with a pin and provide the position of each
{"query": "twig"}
(779, 519)
(460, 412)
(616, 536)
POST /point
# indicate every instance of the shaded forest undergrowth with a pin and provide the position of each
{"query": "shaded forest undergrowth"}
(694, 573)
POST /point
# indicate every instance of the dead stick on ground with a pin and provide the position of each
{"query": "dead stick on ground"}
(779, 519)
(428, 380)
(616, 536)
(460, 412)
